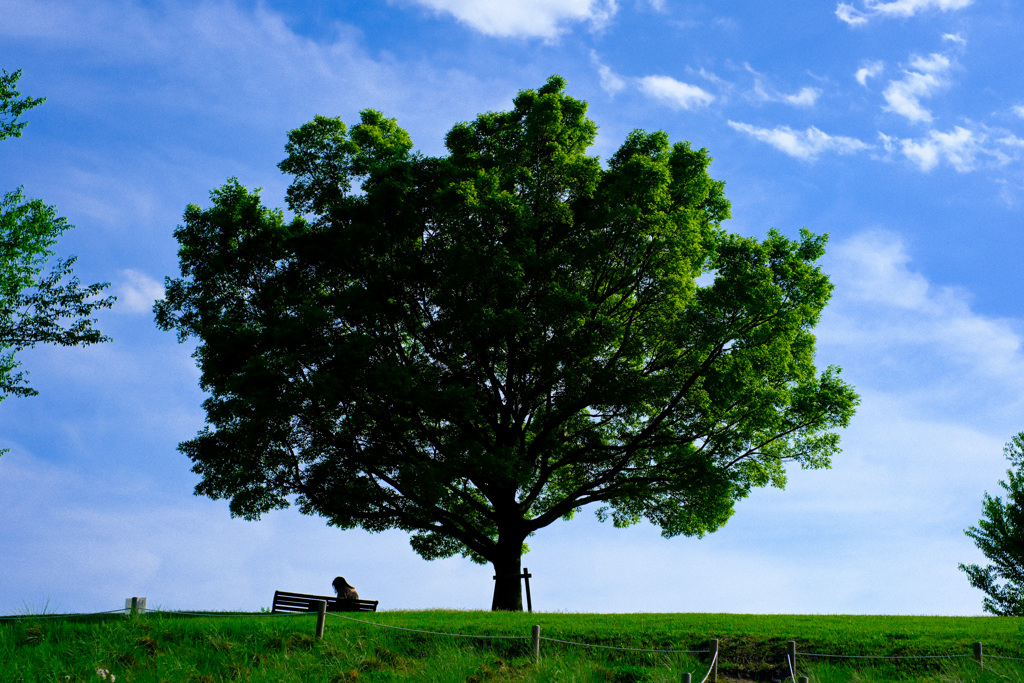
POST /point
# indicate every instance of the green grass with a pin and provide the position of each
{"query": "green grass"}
(163, 647)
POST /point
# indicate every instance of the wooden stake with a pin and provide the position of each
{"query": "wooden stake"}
(526, 576)
(791, 654)
(535, 632)
(978, 655)
(687, 678)
(321, 617)
(714, 656)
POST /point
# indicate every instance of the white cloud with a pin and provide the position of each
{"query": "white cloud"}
(805, 98)
(884, 305)
(851, 15)
(525, 18)
(869, 70)
(1011, 141)
(708, 76)
(807, 144)
(908, 8)
(954, 38)
(676, 94)
(1019, 110)
(895, 8)
(962, 148)
(611, 82)
(923, 79)
(137, 292)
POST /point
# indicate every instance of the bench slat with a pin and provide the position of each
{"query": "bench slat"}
(285, 601)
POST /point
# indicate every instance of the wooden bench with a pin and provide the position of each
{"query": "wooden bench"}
(301, 602)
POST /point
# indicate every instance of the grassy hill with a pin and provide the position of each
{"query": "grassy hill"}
(259, 647)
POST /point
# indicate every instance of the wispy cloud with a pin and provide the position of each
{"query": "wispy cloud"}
(895, 309)
(896, 8)
(137, 292)
(923, 79)
(869, 70)
(611, 82)
(806, 144)
(526, 18)
(806, 97)
(851, 15)
(962, 148)
(675, 94)
(765, 92)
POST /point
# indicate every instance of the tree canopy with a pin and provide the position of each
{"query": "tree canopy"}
(472, 346)
(1000, 536)
(35, 307)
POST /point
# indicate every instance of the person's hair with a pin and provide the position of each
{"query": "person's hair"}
(340, 583)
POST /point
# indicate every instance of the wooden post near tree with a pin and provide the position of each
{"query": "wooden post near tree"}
(978, 655)
(321, 617)
(535, 637)
(526, 577)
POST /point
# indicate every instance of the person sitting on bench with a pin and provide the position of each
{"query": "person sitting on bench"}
(344, 590)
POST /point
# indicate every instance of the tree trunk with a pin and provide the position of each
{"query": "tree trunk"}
(508, 586)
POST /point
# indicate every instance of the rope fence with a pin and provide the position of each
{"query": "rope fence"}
(536, 638)
(1015, 659)
(137, 606)
(978, 656)
(812, 654)
(624, 649)
(62, 615)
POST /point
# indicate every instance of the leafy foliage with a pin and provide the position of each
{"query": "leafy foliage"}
(474, 346)
(1000, 536)
(35, 308)
(11, 107)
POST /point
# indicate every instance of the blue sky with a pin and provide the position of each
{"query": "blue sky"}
(895, 126)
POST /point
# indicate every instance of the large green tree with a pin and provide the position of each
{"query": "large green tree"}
(473, 346)
(36, 307)
(1000, 536)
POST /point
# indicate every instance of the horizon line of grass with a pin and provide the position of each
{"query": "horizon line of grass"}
(749, 645)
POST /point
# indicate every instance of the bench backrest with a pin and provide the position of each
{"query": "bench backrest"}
(285, 601)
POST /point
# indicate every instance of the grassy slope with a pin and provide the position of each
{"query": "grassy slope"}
(159, 647)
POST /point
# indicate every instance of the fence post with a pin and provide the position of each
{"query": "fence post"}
(802, 679)
(978, 655)
(535, 633)
(791, 655)
(714, 659)
(321, 617)
(134, 606)
(687, 678)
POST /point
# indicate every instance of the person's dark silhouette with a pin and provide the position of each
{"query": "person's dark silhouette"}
(344, 590)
